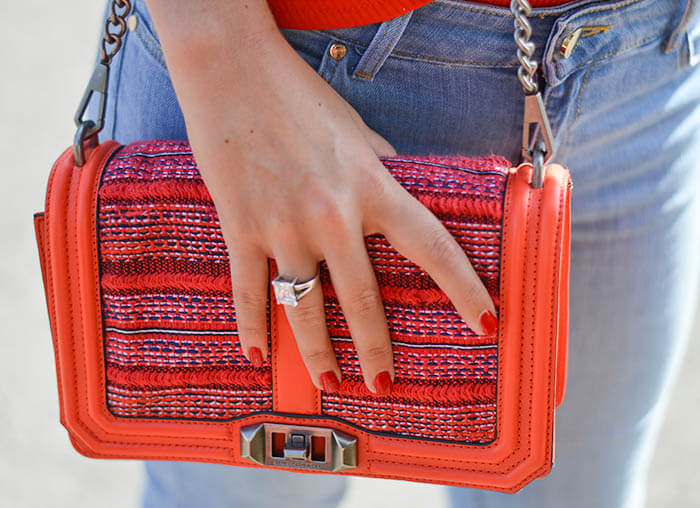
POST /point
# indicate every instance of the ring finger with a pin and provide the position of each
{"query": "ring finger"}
(308, 322)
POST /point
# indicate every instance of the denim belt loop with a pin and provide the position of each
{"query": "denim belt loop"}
(383, 42)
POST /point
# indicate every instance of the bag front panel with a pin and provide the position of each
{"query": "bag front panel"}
(446, 375)
(170, 336)
(171, 346)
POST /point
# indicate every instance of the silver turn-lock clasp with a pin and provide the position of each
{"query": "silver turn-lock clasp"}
(298, 447)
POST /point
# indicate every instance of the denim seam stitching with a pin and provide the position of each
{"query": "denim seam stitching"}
(386, 51)
(596, 61)
(447, 60)
(580, 92)
(335, 66)
(498, 64)
(149, 48)
(150, 42)
(599, 61)
(399, 54)
(632, 46)
(681, 27)
(596, 10)
(480, 11)
(537, 15)
(636, 45)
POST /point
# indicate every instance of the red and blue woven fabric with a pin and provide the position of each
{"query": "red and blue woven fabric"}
(170, 336)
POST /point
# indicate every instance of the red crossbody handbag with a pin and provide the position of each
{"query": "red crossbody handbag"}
(143, 322)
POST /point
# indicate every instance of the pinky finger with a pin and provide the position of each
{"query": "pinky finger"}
(249, 276)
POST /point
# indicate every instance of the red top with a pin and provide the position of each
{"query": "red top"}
(324, 14)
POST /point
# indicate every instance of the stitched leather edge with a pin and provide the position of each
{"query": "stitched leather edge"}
(140, 451)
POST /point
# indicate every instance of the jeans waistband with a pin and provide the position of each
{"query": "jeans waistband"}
(468, 34)
(459, 33)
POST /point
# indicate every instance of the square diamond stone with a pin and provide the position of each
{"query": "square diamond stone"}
(284, 292)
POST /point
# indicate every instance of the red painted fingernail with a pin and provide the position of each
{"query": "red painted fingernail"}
(329, 381)
(382, 383)
(488, 322)
(255, 356)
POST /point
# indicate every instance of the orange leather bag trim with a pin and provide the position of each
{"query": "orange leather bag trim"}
(563, 344)
(292, 388)
(530, 356)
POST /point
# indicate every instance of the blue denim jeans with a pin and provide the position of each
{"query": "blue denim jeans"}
(625, 109)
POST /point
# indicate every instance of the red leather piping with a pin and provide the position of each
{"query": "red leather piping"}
(531, 359)
(563, 342)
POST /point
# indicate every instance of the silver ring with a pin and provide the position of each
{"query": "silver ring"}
(288, 291)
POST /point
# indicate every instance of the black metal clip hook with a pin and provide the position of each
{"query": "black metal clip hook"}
(536, 124)
(88, 128)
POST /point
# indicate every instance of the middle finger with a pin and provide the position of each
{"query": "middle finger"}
(356, 286)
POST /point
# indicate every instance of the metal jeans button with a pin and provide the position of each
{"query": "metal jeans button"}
(337, 50)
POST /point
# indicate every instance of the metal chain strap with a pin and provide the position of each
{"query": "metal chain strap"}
(115, 28)
(535, 114)
(523, 31)
(87, 130)
(537, 145)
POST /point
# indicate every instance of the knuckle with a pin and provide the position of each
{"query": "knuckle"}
(308, 315)
(280, 219)
(473, 291)
(377, 183)
(381, 192)
(250, 332)
(441, 246)
(328, 212)
(327, 205)
(236, 228)
(249, 299)
(366, 303)
(376, 353)
(318, 357)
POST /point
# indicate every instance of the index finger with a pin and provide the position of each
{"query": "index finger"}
(419, 236)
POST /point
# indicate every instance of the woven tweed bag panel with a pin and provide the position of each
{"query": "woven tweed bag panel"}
(171, 343)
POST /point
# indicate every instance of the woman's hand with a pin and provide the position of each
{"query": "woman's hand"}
(294, 173)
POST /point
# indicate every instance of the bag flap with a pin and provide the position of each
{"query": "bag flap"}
(149, 365)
